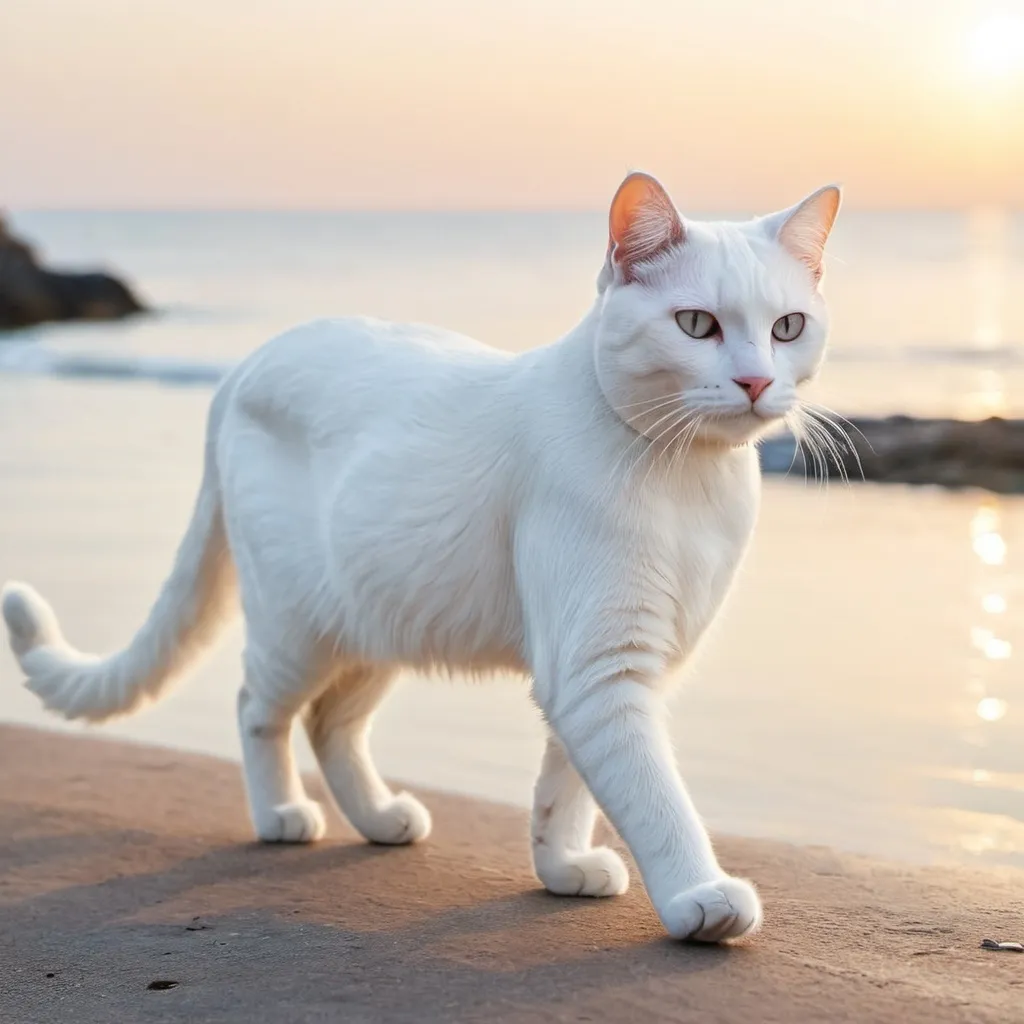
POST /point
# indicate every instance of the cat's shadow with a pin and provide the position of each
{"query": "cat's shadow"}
(374, 926)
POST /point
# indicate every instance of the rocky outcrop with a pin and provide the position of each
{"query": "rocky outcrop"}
(950, 453)
(31, 294)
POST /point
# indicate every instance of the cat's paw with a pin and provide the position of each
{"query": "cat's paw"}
(597, 872)
(403, 820)
(299, 822)
(714, 911)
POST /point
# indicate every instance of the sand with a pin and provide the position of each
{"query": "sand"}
(122, 866)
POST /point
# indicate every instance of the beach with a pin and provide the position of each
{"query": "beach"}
(130, 890)
(812, 214)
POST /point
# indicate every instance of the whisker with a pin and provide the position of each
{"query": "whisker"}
(792, 420)
(640, 438)
(679, 424)
(828, 447)
(821, 415)
(838, 441)
(829, 444)
(807, 447)
(655, 402)
(820, 463)
(684, 441)
(818, 407)
(649, 401)
(674, 401)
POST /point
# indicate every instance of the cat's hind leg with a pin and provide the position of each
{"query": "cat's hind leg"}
(564, 815)
(273, 694)
(338, 724)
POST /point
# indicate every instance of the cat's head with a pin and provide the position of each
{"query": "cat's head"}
(709, 328)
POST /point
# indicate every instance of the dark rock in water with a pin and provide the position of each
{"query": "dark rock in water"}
(30, 294)
(949, 453)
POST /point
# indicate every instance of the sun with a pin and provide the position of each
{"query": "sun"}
(996, 46)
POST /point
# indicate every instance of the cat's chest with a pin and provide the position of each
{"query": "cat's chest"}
(695, 547)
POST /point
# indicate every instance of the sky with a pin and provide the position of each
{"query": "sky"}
(454, 104)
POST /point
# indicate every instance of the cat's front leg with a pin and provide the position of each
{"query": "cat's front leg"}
(612, 726)
(564, 814)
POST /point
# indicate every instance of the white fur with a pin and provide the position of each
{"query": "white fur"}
(394, 496)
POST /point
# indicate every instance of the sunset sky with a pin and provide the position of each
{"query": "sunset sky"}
(487, 104)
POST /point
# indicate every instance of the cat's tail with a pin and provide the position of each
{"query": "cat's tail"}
(185, 619)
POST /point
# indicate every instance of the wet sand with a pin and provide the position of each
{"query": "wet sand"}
(122, 866)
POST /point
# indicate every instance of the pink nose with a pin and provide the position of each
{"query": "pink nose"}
(754, 386)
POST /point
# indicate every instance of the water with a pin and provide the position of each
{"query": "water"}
(861, 688)
(924, 315)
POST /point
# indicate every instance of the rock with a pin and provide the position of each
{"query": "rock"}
(31, 294)
(899, 449)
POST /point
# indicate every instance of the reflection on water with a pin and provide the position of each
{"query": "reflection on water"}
(990, 548)
(991, 709)
(988, 682)
(990, 645)
(988, 240)
(989, 579)
(986, 396)
(982, 835)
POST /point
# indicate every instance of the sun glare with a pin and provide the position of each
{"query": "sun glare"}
(996, 46)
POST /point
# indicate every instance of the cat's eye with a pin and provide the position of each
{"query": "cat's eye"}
(788, 327)
(697, 323)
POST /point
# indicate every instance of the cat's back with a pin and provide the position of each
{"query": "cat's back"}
(355, 367)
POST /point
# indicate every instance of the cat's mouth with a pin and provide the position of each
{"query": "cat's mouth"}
(767, 415)
(739, 426)
(753, 415)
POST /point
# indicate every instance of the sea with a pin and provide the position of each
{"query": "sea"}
(862, 687)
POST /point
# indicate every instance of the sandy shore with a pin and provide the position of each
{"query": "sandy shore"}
(124, 865)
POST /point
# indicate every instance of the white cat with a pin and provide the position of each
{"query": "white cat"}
(382, 496)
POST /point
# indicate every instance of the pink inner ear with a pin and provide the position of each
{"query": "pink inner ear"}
(806, 230)
(642, 223)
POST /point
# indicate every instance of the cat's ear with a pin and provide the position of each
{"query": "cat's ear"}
(643, 222)
(803, 230)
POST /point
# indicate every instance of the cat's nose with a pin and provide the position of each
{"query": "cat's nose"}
(754, 386)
